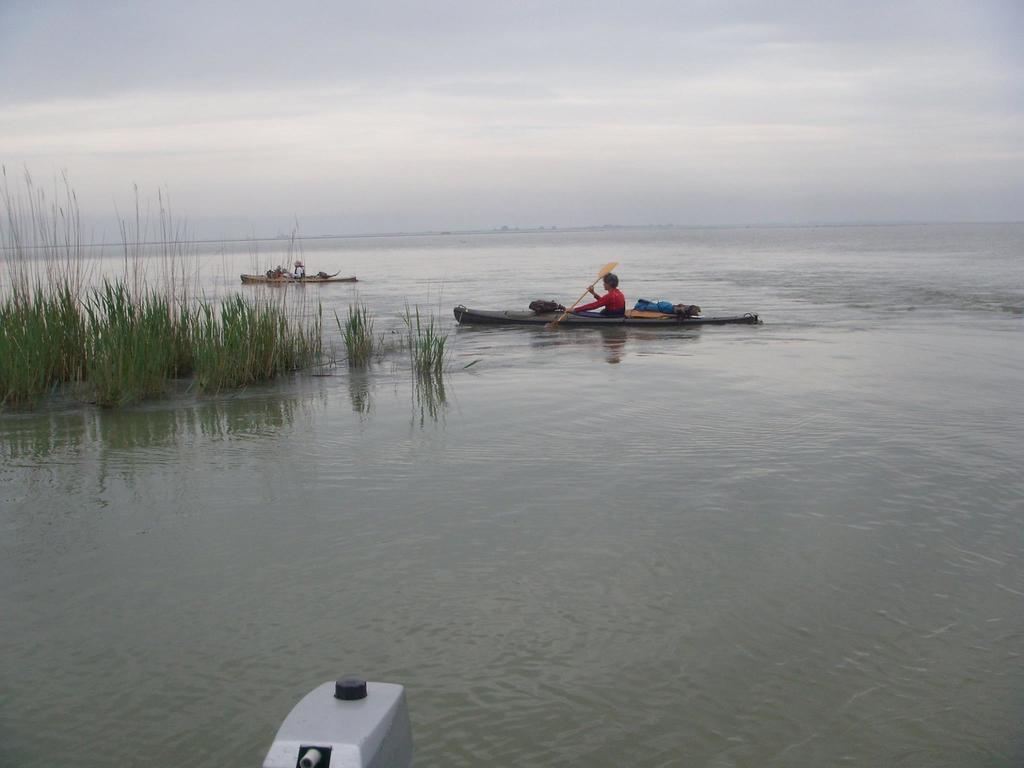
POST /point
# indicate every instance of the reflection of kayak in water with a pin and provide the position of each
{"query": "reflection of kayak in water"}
(275, 280)
(513, 317)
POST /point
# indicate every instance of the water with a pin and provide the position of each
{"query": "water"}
(795, 544)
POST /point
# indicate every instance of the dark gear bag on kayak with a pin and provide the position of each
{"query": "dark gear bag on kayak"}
(543, 305)
(687, 310)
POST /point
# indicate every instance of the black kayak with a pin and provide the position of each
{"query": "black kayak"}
(511, 317)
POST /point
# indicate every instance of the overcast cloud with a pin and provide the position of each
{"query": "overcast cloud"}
(456, 115)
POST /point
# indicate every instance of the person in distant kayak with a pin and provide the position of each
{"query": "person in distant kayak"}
(300, 270)
(612, 304)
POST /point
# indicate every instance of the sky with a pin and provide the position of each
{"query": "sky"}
(343, 117)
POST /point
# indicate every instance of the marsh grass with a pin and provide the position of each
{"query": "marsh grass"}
(244, 341)
(426, 345)
(425, 342)
(131, 346)
(357, 331)
(126, 338)
(26, 368)
(118, 350)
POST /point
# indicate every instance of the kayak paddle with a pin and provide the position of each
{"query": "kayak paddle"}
(600, 273)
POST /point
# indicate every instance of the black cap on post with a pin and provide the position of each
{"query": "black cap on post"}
(350, 689)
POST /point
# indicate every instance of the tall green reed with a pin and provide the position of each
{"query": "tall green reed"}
(127, 338)
(244, 341)
(357, 332)
(133, 347)
(41, 343)
(425, 342)
(426, 345)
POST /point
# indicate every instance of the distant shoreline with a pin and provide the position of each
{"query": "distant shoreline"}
(524, 231)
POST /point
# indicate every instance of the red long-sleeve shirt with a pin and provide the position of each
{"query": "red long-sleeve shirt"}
(614, 301)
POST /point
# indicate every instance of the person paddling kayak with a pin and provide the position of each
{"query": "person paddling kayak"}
(613, 303)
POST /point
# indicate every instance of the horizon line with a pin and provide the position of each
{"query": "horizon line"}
(506, 230)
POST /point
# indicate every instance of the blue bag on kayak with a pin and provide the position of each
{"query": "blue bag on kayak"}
(655, 306)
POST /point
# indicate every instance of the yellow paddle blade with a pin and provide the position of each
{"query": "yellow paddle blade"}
(607, 268)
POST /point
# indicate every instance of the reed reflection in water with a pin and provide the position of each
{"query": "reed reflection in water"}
(359, 392)
(429, 398)
(31, 437)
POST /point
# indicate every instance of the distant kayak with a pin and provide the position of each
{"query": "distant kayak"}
(247, 279)
(468, 316)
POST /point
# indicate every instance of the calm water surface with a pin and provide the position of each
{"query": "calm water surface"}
(795, 544)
